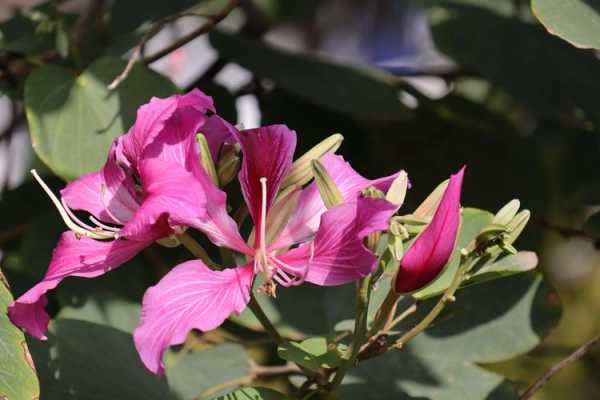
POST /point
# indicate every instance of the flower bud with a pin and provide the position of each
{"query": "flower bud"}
(397, 191)
(229, 164)
(206, 158)
(430, 252)
(301, 172)
(507, 213)
(329, 191)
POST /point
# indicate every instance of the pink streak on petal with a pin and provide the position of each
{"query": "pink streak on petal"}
(305, 221)
(86, 258)
(267, 152)
(430, 252)
(340, 255)
(190, 296)
(108, 188)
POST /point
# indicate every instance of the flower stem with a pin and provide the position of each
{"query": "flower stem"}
(360, 329)
(264, 320)
(197, 250)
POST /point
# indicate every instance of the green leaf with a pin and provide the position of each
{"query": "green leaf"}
(313, 353)
(252, 393)
(521, 59)
(73, 120)
(105, 309)
(86, 361)
(487, 323)
(17, 372)
(576, 21)
(191, 374)
(351, 90)
(512, 264)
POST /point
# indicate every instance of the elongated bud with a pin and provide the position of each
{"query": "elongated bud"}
(430, 252)
(507, 213)
(206, 158)
(301, 172)
(516, 226)
(396, 235)
(430, 204)
(397, 191)
(228, 165)
(372, 240)
(329, 191)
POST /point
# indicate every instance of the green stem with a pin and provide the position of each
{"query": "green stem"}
(264, 320)
(447, 297)
(360, 329)
(197, 250)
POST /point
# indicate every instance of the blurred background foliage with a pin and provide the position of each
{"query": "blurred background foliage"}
(423, 85)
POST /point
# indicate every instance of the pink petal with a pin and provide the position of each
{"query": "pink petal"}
(305, 221)
(430, 252)
(217, 132)
(175, 197)
(267, 153)
(166, 128)
(339, 255)
(190, 296)
(86, 258)
(108, 194)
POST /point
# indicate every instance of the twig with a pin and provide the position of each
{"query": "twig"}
(138, 52)
(259, 371)
(576, 355)
(197, 250)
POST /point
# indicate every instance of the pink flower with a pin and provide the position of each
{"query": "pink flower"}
(330, 247)
(128, 209)
(430, 252)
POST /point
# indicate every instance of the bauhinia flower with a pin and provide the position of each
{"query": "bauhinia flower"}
(432, 249)
(295, 239)
(127, 211)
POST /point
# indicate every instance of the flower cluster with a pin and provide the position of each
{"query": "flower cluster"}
(155, 185)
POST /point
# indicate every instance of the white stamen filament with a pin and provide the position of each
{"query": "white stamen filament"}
(103, 226)
(263, 216)
(79, 230)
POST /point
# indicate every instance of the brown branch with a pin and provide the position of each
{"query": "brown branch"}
(576, 355)
(138, 51)
(261, 371)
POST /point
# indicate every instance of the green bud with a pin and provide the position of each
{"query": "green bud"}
(280, 213)
(507, 213)
(395, 247)
(516, 225)
(397, 191)
(228, 164)
(301, 172)
(412, 219)
(206, 158)
(329, 191)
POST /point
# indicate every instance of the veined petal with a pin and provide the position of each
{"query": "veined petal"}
(338, 254)
(267, 153)
(190, 296)
(166, 128)
(86, 258)
(305, 221)
(108, 194)
(431, 250)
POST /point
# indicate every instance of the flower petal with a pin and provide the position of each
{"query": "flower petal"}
(175, 197)
(267, 153)
(305, 221)
(166, 128)
(190, 296)
(338, 254)
(108, 194)
(86, 258)
(431, 250)
(217, 132)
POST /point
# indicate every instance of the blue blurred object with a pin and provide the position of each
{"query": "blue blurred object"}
(399, 40)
